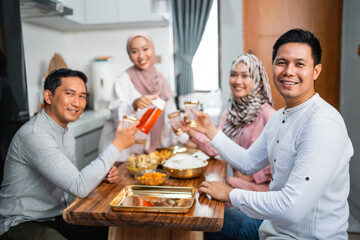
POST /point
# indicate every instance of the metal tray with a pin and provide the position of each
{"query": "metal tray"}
(168, 199)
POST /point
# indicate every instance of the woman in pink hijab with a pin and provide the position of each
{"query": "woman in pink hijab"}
(134, 91)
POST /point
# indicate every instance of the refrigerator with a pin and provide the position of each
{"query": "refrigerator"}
(14, 107)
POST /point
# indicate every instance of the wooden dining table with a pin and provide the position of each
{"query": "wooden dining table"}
(206, 214)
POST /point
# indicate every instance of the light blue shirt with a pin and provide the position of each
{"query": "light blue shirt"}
(309, 152)
(40, 169)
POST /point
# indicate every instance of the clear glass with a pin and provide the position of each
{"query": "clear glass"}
(128, 120)
(175, 122)
(140, 142)
(190, 108)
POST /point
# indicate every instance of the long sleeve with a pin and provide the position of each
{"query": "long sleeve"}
(318, 147)
(43, 154)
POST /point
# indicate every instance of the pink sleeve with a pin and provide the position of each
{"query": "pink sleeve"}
(263, 176)
(203, 143)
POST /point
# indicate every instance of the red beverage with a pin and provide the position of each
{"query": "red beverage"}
(148, 120)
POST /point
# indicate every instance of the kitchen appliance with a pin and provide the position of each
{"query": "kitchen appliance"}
(102, 79)
(43, 8)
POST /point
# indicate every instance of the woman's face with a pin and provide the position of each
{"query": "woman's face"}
(240, 80)
(141, 53)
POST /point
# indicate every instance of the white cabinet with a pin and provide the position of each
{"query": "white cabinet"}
(79, 10)
(86, 131)
(136, 11)
(86, 148)
(101, 12)
(116, 12)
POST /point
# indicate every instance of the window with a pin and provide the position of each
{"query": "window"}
(206, 60)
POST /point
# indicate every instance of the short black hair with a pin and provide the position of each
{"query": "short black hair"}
(53, 80)
(298, 35)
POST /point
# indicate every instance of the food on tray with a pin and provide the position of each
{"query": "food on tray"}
(154, 178)
(137, 163)
(144, 201)
(184, 161)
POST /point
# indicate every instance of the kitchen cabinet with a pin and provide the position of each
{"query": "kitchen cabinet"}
(86, 131)
(101, 15)
(101, 12)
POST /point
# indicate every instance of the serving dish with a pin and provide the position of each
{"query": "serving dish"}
(152, 177)
(140, 198)
(186, 173)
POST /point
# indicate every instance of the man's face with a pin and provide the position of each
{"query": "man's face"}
(68, 102)
(294, 73)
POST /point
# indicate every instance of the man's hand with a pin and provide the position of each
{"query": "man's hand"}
(144, 101)
(112, 175)
(204, 125)
(125, 137)
(217, 190)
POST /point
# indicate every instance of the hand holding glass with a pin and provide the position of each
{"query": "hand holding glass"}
(175, 122)
(191, 107)
(128, 120)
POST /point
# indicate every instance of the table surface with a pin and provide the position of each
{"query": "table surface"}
(206, 214)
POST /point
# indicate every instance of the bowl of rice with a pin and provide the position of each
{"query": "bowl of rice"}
(185, 166)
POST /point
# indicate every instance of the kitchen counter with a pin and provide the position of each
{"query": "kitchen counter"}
(88, 121)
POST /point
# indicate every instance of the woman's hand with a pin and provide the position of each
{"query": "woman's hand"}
(217, 190)
(125, 137)
(112, 175)
(204, 125)
(144, 101)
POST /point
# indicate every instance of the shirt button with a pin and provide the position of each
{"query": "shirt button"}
(307, 178)
(283, 121)
(275, 160)
(277, 141)
(272, 179)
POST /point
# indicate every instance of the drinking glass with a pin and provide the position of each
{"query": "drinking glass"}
(175, 122)
(140, 142)
(191, 107)
(128, 120)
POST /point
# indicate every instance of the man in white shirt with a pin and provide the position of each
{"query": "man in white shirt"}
(307, 146)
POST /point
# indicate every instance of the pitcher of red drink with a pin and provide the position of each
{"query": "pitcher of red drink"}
(149, 118)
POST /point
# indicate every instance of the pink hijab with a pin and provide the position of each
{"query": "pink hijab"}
(149, 82)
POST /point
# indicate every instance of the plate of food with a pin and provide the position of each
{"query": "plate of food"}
(136, 163)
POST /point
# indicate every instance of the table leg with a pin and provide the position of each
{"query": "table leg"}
(133, 233)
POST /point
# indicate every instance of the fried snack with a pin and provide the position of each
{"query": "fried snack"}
(153, 178)
(142, 161)
(161, 154)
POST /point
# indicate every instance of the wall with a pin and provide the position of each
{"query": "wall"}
(349, 93)
(80, 48)
(231, 41)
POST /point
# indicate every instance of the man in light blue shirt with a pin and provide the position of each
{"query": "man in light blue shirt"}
(40, 167)
(307, 146)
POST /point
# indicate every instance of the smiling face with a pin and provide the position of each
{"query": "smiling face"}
(240, 80)
(294, 73)
(141, 53)
(68, 102)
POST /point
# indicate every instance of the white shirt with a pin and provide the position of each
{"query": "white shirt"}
(123, 95)
(309, 152)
